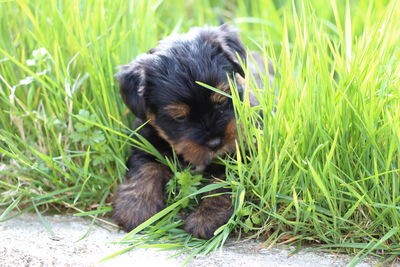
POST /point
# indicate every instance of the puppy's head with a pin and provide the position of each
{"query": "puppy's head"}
(160, 86)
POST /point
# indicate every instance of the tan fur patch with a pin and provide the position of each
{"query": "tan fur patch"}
(141, 196)
(161, 133)
(193, 152)
(153, 169)
(217, 97)
(231, 135)
(177, 111)
(212, 213)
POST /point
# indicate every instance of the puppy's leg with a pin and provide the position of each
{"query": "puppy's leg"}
(212, 213)
(142, 194)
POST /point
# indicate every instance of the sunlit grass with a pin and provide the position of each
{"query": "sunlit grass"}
(320, 167)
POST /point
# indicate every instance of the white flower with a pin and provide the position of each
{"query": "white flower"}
(31, 62)
(26, 81)
(40, 53)
(42, 72)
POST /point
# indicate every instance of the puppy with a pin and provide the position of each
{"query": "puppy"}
(197, 123)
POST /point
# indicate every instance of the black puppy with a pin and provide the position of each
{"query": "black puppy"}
(198, 123)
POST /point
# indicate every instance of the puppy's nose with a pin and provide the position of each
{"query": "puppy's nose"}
(214, 143)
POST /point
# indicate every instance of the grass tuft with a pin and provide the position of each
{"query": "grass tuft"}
(320, 167)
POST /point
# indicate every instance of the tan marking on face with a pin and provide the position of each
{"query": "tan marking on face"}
(161, 133)
(231, 134)
(193, 152)
(217, 97)
(177, 111)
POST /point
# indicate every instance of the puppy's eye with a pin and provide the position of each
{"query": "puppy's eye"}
(180, 118)
(178, 111)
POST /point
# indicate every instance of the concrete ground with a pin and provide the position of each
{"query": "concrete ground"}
(26, 241)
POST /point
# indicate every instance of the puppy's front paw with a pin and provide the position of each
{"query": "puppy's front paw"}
(212, 213)
(137, 200)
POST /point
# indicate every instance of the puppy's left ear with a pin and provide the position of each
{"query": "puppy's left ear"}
(232, 46)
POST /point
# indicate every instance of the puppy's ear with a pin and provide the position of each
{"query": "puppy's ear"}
(232, 46)
(131, 79)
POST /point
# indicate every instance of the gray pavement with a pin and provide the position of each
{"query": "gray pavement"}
(26, 241)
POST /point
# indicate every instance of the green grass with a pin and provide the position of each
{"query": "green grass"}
(322, 170)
